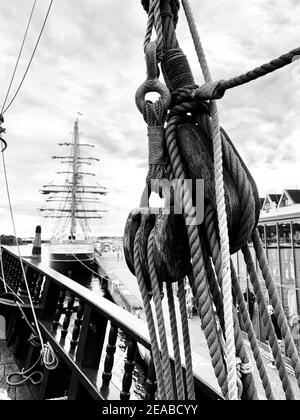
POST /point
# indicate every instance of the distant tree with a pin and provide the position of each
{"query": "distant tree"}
(9, 240)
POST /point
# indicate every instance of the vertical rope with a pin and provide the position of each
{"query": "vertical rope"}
(251, 336)
(186, 342)
(154, 19)
(199, 281)
(175, 340)
(271, 336)
(160, 320)
(249, 387)
(150, 321)
(222, 216)
(275, 300)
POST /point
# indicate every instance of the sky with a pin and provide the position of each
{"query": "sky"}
(90, 60)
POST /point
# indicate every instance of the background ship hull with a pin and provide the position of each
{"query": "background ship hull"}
(74, 263)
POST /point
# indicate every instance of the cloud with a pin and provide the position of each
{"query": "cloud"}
(90, 60)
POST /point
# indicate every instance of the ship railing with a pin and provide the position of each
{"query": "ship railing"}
(85, 330)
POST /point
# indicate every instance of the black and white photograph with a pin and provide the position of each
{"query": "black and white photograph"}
(149, 203)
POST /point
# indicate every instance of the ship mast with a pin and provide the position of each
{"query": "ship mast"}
(73, 194)
(74, 183)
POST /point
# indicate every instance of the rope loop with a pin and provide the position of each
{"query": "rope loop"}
(213, 90)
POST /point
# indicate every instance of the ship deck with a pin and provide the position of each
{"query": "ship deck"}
(8, 365)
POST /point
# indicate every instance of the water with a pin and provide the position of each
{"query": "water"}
(87, 278)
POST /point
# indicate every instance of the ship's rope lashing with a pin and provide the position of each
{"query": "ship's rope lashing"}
(192, 145)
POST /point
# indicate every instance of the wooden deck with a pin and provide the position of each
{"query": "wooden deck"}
(7, 366)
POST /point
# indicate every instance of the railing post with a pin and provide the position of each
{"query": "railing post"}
(59, 308)
(91, 338)
(49, 300)
(68, 314)
(77, 325)
(150, 382)
(129, 367)
(110, 353)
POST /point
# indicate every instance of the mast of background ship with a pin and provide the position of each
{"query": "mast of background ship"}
(74, 183)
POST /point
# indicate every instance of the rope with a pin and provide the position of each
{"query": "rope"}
(199, 281)
(175, 340)
(25, 377)
(154, 115)
(186, 342)
(2, 278)
(248, 387)
(174, 5)
(154, 19)
(19, 252)
(216, 90)
(251, 336)
(291, 349)
(19, 56)
(222, 216)
(49, 358)
(150, 321)
(160, 319)
(271, 336)
(31, 58)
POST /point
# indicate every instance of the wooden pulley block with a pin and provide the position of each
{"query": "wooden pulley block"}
(171, 247)
(146, 226)
(225, 137)
(197, 153)
(131, 227)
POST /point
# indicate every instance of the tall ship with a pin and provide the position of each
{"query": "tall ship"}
(73, 205)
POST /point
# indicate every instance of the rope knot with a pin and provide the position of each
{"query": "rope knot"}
(246, 368)
(213, 90)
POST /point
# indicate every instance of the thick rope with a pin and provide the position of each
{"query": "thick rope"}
(214, 246)
(250, 391)
(291, 349)
(251, 335)
(154, 19)
(199, 281)
(271, 336)
(150, 321)
(154, 115)
(216, 90)
(160, 320)
(174, 8)
(222, 215)
(186, 342)
(176, 347)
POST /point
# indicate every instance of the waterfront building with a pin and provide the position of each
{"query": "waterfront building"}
(279, 229)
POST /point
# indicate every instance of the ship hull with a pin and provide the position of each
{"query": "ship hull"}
(71, 264)
(71, 259)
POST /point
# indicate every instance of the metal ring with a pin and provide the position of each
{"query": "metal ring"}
(152, 86)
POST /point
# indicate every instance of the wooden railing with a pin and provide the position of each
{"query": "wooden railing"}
(83, 330)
